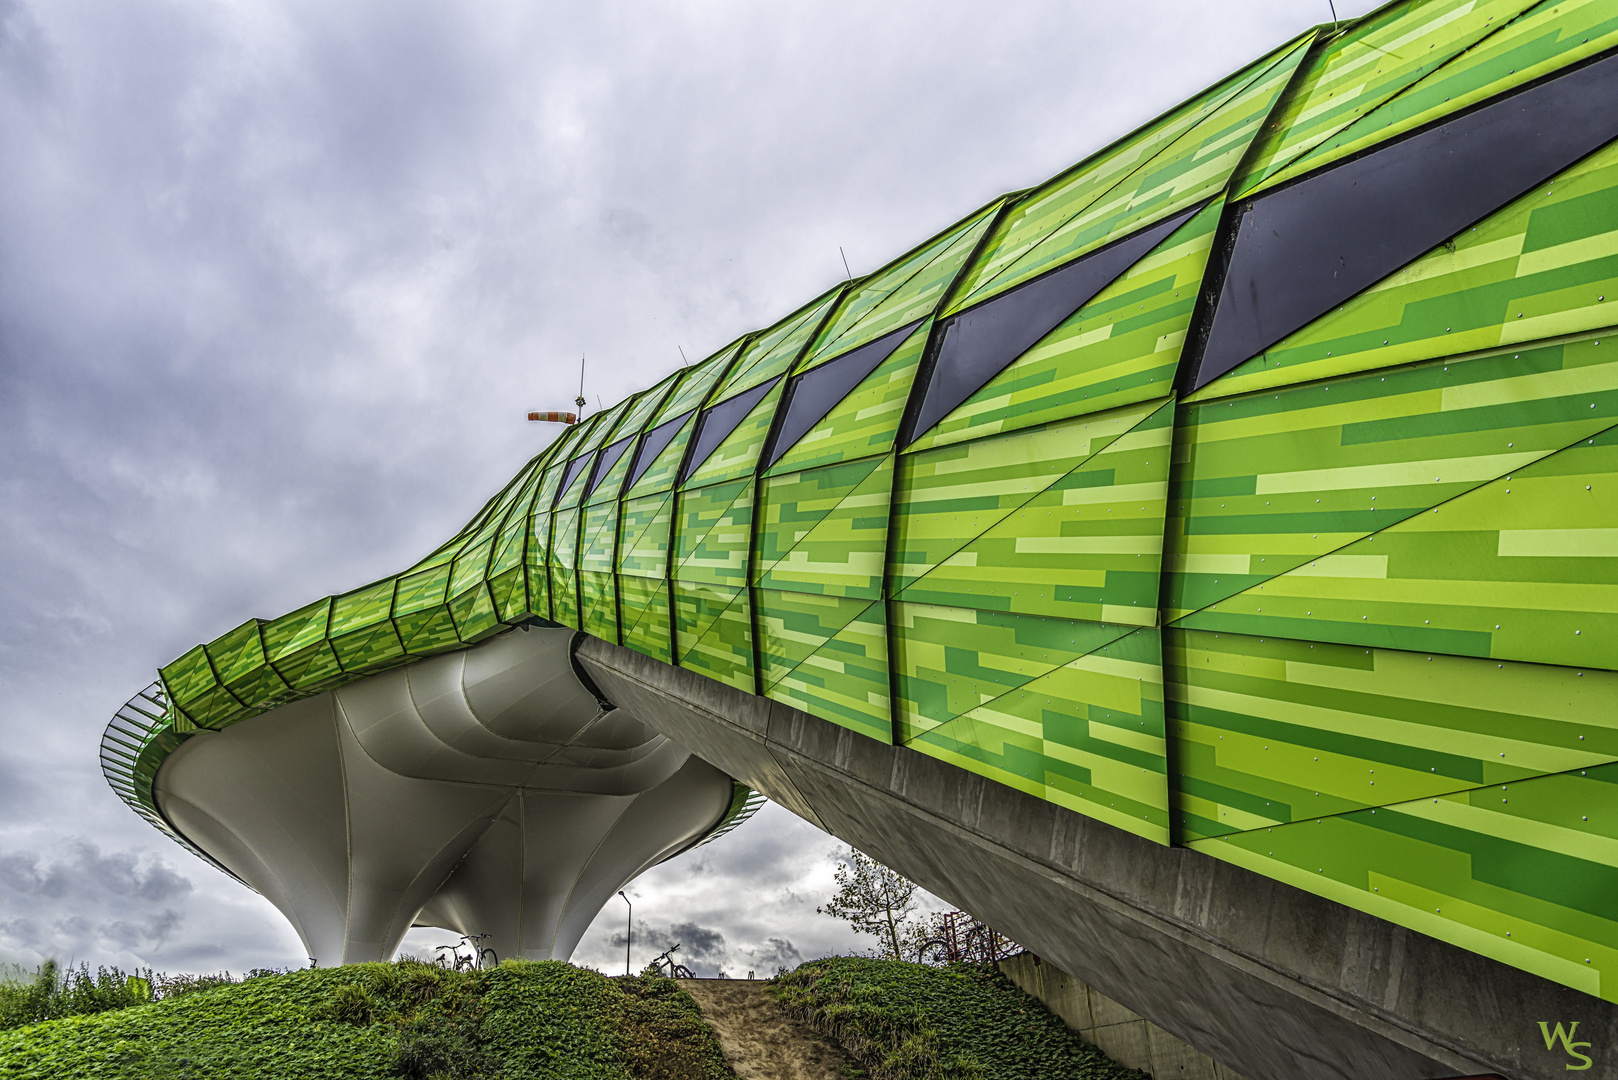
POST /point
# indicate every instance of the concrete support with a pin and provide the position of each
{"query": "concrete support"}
(484, 791)
(1269, 981)
(1124, 1036)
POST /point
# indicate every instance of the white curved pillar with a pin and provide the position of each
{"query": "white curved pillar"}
(485, 791)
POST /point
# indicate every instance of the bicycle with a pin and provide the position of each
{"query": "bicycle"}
(964, 940)
(675, 970)
(474, 957)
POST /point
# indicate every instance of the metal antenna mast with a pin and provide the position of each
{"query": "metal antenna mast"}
(579, 401)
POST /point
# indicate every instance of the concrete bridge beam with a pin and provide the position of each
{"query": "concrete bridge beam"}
(1275, 983)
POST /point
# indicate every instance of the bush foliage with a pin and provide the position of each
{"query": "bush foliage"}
(522, 1020)
(517, 1021)
(907, 1021)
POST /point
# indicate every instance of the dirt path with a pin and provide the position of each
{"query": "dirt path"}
(760, 1040)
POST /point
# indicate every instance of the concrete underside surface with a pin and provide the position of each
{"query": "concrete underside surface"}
(1275, 983)
(1122, 1035)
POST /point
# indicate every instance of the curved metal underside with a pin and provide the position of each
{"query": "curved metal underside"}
(484, 791)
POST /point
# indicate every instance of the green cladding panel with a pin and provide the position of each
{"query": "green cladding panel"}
(1121, 347)
(901, 293)
(774, 351)
(1338, 606)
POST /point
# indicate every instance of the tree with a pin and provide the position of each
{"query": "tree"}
(874, 900)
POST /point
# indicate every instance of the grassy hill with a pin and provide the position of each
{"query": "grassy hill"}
(526, 1020)
(520, 1020)
(962, 1022)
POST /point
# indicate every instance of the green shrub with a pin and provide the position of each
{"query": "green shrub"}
(257, 1028)
(520, 1021)
(49, 993)
(962, 1022)
(661, 1033)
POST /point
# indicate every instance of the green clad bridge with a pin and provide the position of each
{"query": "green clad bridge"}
(1250, 488)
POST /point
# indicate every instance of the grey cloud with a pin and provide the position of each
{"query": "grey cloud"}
(129, 907)
(98, 903)
(702, 948)
(83, 872)
(278, 281)
(777, 953)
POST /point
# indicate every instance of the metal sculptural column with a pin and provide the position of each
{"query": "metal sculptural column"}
(482, 791)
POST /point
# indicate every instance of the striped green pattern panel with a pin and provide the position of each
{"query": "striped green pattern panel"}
(1524, 873)
(827, 655)
(713, 618)
(1088, 546)
(949, 661)
(1269, 731)
(598, 599)
(1522, 568)
(645, 532)
(949, 496)
(774, 351)
(598, 605)
(824, 531)
(1122, 347)
(1350, 75)
(1551, 35)
(714, 534)
(644, 616)
(1545, 266)
(644, 535)
(737, 455)
(1085, 731)
(563, 562)
(714, 632)
(867, 420)
(1183, 172)
(1265, 483)
(907, 289)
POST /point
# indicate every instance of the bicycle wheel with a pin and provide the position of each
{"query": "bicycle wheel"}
(933, 951)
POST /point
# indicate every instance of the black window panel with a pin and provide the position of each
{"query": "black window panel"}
(982, 341)
(609, 457)
(656, 441)
(720, 420)
(810, 396)
(574, 467)
(1302, 249)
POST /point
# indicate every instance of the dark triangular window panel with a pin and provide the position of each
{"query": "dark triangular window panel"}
(981, 342)
(609, 458)
(1302, 249)
(574, 467)
(656, 441)
(815, 393)
(720, 420)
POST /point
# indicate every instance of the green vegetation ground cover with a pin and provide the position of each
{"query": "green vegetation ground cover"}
(905, 1021)
(518, 1021)
(521, 1020)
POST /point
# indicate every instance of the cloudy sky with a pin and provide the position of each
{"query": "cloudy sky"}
(279, 280)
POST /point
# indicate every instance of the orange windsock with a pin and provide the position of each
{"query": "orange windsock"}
(554, 417)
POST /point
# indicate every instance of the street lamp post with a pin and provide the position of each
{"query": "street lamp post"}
(629, 930)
